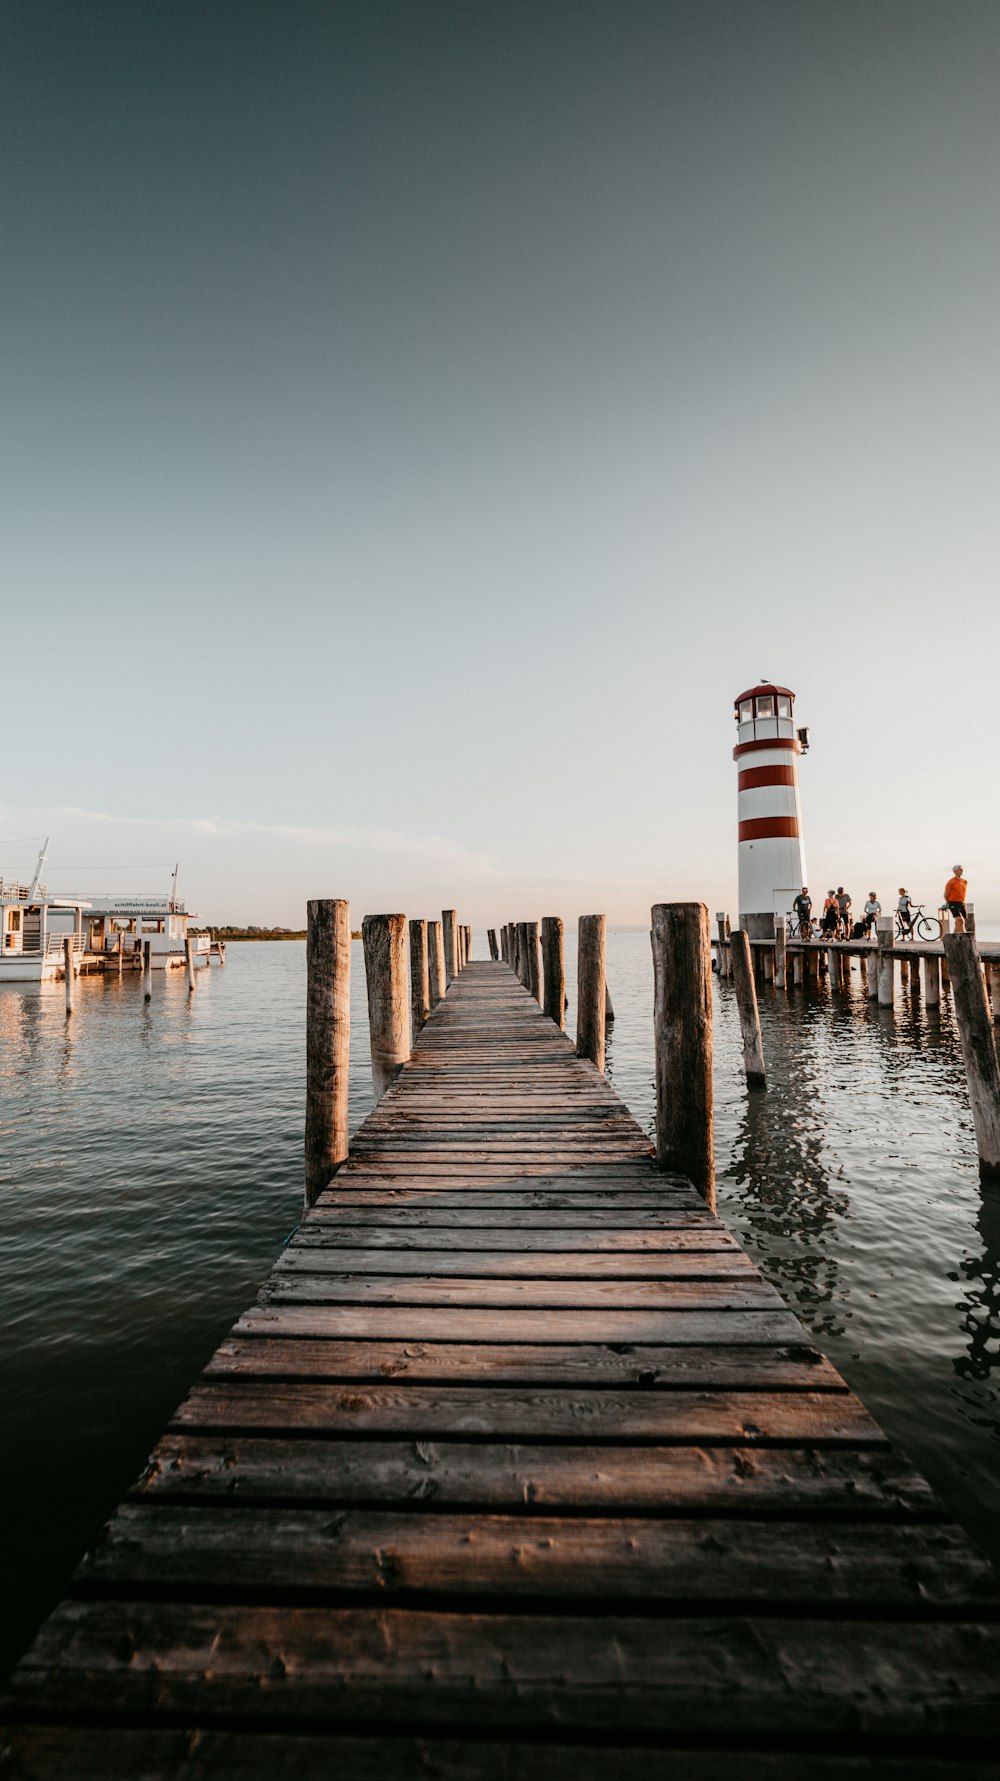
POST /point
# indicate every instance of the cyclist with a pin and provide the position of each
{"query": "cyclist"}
(844, 911)
(906, 914)
(871, 912)
(803, 912)
(831, 914)
(954, 896)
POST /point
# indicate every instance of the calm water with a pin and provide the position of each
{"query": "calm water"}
(150, 1168)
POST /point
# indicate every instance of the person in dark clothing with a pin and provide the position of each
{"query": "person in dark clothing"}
(802, 907)
(844, 910)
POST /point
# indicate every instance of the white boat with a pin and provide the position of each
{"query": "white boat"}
(129, 922)
(34, 928)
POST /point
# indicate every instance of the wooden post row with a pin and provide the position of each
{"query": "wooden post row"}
(590, 1028)
(420, 977)
(746, 1002)
(384, 939)
(979, 1050)
(436, 975)
(328, 1039)
(189, 960)
(682, 1034)
(553, 970)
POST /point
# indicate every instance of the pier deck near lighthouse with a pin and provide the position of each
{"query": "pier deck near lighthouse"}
(517, 1469)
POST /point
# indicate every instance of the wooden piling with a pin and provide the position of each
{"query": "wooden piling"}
(468, 944)
(871, 974)
(746, 1001)
(720, 954)
(68, 972)
(491, 940)
(833, 965)
(503, 944)
(521, 953)
(590, 1030)
(944, 917)
(798, 972)
(682, 1037)
(995, 991)
(779, 956)
(979, 1049)
(534, 960)
(932, 980)
(384, 939)
(436, 977)
(121, 954)
(420, 977)
(328, 1039)
(609, 1007)
(147, 971)
(449, 929)
(189, 961)
(884, 935)
(553, 970)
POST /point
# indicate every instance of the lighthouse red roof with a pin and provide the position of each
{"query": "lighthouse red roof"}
(764, 687)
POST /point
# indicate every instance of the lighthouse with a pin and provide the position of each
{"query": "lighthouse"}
(771, 853)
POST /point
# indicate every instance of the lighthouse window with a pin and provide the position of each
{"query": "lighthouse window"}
(765, 706)
(746, 711)
(784, 705)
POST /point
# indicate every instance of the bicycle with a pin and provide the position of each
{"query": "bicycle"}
(919, 926)
(795, 929)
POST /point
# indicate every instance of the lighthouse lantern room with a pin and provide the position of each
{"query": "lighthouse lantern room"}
(771, 852)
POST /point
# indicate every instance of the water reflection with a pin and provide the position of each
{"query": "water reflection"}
(980, 1306)
(786, 1194)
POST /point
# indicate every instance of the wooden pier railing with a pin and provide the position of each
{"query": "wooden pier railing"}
(516, 1470)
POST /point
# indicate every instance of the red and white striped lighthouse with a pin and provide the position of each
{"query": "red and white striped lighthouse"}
(771, 852)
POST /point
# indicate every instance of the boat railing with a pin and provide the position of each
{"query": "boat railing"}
(54, 945)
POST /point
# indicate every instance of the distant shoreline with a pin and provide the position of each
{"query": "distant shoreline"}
(235, 936)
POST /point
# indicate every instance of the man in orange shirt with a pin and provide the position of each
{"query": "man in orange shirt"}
(954, 896)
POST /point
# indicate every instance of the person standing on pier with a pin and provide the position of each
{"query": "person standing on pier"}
(803, 912)
(844, 910)
(954, 896)
(831, 914)
(906, 913)
(870, 914)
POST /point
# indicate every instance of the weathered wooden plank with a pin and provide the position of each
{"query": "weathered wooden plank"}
(81, 1752)
(769, 1367)
(529, 1673)
(504, 1413)
(435, 1323)
(410, 1241)
(629, 1480)
(923, 1566)
(750, 1293)
(507, 1264)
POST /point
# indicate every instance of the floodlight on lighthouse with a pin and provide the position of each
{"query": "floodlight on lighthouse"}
(772, 867)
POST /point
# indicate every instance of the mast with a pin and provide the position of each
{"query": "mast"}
(173, 894)
(38, 870)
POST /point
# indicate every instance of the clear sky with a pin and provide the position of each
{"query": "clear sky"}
(422, 417)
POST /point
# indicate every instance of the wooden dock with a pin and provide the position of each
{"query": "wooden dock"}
(519, 1470)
